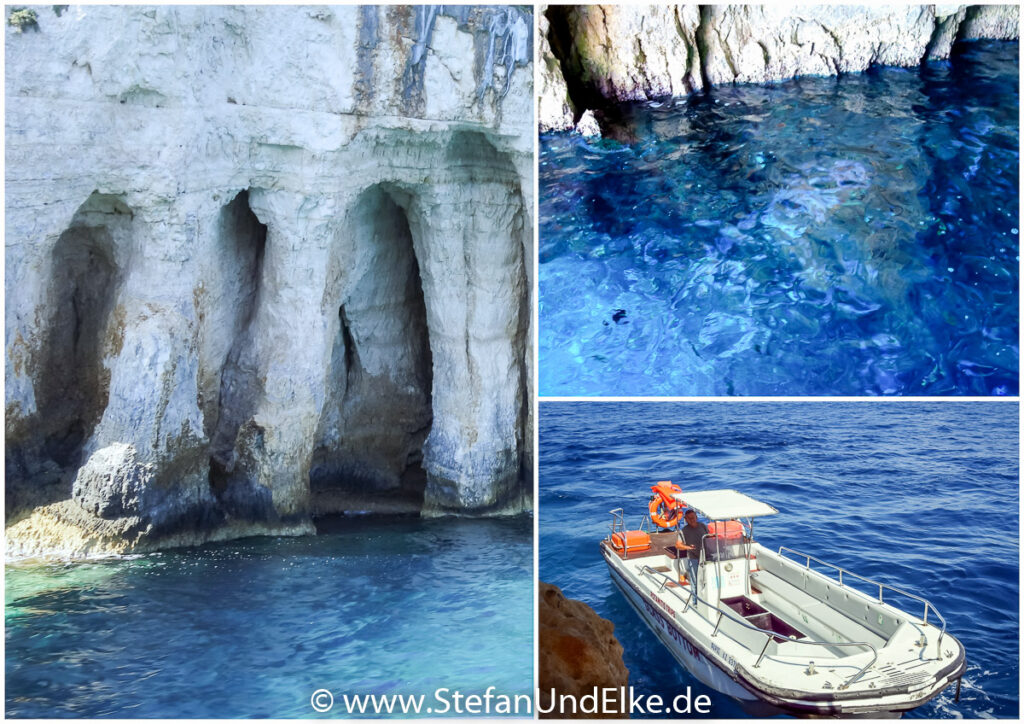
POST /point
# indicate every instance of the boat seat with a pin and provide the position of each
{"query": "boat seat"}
(769, 583)
(791, 602)
(881, 621)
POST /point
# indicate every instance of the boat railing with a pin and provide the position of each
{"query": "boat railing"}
(618, 524)
(722, 613)
(882, 587)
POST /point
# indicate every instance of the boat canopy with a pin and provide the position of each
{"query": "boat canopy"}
(725, 504)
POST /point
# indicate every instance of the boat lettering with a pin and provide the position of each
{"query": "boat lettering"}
(690, 648)
(658, 616)
(726, 657)
(663, 605)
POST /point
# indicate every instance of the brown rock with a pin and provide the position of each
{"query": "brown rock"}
(578, 652)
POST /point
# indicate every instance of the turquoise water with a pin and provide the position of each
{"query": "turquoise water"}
(252, 628)
(919, 495)
(821, 236)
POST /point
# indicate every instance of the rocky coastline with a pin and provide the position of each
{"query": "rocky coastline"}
(594, 56)
(577, 653)
(264, 263)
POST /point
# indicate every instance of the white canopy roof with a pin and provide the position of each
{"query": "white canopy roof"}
(725, 504)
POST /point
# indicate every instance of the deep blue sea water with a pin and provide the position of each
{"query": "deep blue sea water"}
(252, 628)
(922, 495)
(852, 235)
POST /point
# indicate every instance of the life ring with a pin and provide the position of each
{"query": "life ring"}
(664, 508)
(663, 515)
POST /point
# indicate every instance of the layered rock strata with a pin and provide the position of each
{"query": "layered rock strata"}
(594, 55)
(577, 652)
(264, 262)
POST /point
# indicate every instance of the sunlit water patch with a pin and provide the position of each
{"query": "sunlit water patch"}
(252, 628)
(923, 496)
(851, 235)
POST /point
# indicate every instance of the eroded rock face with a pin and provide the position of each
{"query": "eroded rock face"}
(997, 22)
(615, 53)
(588, 127)
(629, 53)
(264, 262)
(577, 652)
(555, 113)
(760, 43)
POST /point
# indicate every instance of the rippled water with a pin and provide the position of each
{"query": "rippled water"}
(252, 628)
(919, 495)
(852, 235)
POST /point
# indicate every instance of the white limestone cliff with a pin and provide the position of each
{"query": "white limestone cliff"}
(264, 262)
(615, 53)
(555, 108)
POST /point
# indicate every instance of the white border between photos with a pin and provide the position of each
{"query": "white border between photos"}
(538, 400)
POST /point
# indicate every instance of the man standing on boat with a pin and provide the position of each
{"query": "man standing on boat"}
(689, 538)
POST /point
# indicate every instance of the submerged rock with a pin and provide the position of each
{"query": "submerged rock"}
(578, 651)
(257, 255)
(616, 53)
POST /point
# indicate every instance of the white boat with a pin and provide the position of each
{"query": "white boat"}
(776, 626)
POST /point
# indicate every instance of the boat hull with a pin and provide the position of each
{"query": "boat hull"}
(715, 670)
(683, 650)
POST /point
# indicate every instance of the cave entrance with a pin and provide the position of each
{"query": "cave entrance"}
(230, 382)
(83, 329)
(368, 454)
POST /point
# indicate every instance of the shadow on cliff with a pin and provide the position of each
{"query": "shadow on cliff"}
(84, 326)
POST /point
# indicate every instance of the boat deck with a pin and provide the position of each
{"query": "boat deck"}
(662, 544)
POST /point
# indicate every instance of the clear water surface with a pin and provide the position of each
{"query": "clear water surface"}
(851, 235)
(252, 628)
(921, 495)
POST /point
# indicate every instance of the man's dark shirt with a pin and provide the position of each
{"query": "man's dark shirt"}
(693, 537)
